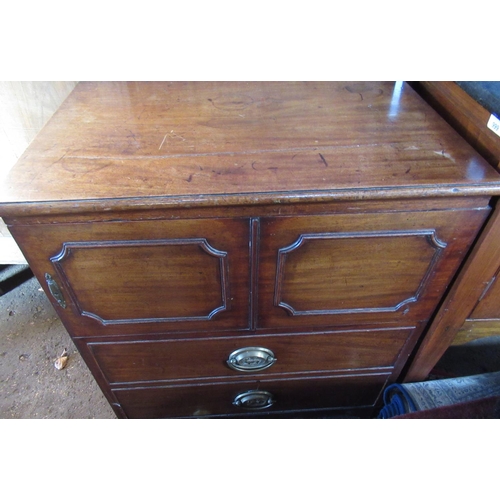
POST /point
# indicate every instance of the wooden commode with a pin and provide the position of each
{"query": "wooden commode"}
(246, 249)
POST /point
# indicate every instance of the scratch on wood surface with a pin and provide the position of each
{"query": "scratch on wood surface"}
(162, 142)
(323, 159)
(446, 155)
(57, 161)
(176, 135)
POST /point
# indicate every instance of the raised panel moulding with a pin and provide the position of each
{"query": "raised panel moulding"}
(71, 251)
(435, 245)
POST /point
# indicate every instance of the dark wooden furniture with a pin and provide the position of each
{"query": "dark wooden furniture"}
(464, 114)
(241, 249)
(471, 309)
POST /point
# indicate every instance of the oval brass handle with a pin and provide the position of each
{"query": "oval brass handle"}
(251, 359)
(254, 400)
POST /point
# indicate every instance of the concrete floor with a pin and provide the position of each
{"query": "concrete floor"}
(32, 337)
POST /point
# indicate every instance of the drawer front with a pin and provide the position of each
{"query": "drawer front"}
(360, 268)
(141, 361)
(133, 277)
(253, 397)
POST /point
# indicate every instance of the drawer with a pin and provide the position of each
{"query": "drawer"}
(143, 276)
(252, 397)
(360, 269)
(140, 361)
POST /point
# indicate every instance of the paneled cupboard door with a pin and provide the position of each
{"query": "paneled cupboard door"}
(147, 276)
(370, 268)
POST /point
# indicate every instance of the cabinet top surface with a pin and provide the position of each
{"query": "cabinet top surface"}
(164, 143)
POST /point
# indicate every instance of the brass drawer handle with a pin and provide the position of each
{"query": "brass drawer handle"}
(55, 290)
(254, 400)
(251, 359)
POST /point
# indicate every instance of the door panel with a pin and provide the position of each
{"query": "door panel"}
(361, 268)
(346, 261)
(146, 276)
(175, 280)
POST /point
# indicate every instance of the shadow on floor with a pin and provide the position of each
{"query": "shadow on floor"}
(12, 276)
(473, 358)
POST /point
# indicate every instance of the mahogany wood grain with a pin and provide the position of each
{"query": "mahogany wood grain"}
(217, 399)
(471, 283)
(283, 208)
(477, 329)
(360, 269)
(488, 306)
(144, 276)
(189, 218)
(165, 359)
(131, 145)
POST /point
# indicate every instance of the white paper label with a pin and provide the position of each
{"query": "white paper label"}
(494, 124)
